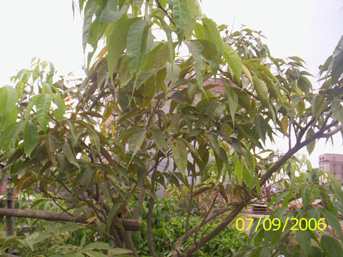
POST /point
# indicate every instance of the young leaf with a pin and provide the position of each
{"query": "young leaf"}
(261, 89)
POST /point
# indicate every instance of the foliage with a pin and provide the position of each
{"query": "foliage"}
(169, 225)
(59, 241)
(312, 200)
(155, 110)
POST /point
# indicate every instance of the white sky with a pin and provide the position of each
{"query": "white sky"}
(47, 29)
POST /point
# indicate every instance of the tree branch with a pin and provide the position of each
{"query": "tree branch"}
(129, 224)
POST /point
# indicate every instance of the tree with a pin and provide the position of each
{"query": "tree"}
(146, 117)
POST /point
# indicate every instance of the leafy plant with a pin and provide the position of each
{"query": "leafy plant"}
(155, 111)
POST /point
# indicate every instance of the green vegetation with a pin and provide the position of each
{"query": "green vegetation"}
(190, 108)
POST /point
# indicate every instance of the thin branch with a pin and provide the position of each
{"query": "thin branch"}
(150, 215)
(165, 11)
(331, 133)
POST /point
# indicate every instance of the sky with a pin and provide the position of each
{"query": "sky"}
(48, 30)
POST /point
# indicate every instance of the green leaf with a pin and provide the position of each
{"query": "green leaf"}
(94, 254)
(9, 136)
(233, 103)
(97, 246)
(60, 111)
(234, 61)
(331, 247)
(333, 221)
(214, 143)
(261, 127)
(156, 59)
(318, 105)
(304, 239)
(96, 30)
(159, 139)
(136, 43)
(304, 84)
(186, 12)
(312, 144)
(261, 89)
(111, 12)
(136, 140)
(337, 111)
(8, 108)
(238, 170)
(69, 155)
(196, 49)
(337, 62)
(306, 197)
(284, 125)
(180, 154)
(30, 138)
(69, 255)
(212, 34)
(119, 251)
(89, 11)
(117, 41)
(42, 103)
(315, 252)
(86, 177)
(248, 177)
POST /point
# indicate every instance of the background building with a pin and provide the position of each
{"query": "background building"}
(332, 163)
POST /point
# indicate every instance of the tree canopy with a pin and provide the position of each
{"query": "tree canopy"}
(171, 99)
